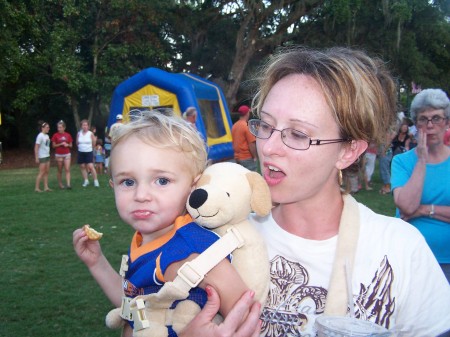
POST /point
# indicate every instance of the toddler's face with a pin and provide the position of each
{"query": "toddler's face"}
(151, 186)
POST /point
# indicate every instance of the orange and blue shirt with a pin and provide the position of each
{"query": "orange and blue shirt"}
(147, 263)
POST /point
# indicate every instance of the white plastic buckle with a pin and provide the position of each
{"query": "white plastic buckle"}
(123, 265)
(139, 317)
(189, 275)
(125, 311)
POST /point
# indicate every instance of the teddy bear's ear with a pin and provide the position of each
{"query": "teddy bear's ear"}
(204, 180)
(260, 202)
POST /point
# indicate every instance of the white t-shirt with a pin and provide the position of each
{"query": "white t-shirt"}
(43, 140)
(85, 141)
(396, 282)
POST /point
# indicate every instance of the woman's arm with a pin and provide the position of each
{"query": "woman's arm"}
(439, 212)
(407, 142)
(233, 326)
(36, 153)
(407, 198)
(93, 139)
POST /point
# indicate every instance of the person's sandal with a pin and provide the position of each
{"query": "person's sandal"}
(384, 191)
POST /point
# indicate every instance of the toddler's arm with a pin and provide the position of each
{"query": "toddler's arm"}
(223, 277)
(89, 251)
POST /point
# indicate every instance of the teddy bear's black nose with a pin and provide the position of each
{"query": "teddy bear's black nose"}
(198, 198)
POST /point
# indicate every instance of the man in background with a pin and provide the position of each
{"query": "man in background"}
(190, 115)
(244, 143)
(108, 138)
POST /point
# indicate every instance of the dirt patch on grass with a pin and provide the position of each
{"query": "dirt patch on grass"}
(22, 158)
(17, 158)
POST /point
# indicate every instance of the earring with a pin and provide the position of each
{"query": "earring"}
(340, 178)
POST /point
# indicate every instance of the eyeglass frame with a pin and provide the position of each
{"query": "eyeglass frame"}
(441, 119)
(311, 141)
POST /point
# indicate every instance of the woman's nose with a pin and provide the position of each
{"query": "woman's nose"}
(272, 145)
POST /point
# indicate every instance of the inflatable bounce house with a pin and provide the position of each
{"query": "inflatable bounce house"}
(155, 89)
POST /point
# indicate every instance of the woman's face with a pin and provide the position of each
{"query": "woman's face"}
(434, 132)
(404, 128)
(60, 128)
(298, 102)
(85, 126)
(45, 128)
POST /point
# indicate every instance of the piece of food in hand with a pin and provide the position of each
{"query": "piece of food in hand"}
(91, 233)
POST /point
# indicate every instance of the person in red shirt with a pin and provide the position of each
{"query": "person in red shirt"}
(244, 143)
(62, 143)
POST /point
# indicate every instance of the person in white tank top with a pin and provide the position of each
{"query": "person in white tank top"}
(85, 143)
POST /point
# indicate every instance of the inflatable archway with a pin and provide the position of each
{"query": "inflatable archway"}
(157, 89)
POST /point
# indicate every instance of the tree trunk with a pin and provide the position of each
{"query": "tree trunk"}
(75, 112)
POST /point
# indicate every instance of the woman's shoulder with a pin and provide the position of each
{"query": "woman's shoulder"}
(376, 225)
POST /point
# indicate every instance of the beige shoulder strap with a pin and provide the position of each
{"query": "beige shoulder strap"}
(192, 273)
(337, 299)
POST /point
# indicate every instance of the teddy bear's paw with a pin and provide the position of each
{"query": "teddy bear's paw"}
(183, 313)
(113, 319)
(155, 330)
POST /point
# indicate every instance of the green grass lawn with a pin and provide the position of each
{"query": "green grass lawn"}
(47, 290)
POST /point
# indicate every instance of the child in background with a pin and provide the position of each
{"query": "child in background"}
(99, 156)
(154, 165)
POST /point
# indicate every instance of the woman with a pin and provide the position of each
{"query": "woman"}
(86, 143)
(420, 178)
(42, 157)
(401, 141)
(62, 143)
(319, 110)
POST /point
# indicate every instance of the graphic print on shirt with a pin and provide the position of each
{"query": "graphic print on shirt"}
(374, 301)
(291, 299)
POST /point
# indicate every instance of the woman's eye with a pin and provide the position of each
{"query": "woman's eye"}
(297, 134)
(265, 127)
(162, 181)
(128, 182)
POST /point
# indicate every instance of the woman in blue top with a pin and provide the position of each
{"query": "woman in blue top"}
(420, 178)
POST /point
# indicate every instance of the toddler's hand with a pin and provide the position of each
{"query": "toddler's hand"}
(89, 251)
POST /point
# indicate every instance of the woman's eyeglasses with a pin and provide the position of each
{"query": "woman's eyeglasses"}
(292, 138)
(434, 120)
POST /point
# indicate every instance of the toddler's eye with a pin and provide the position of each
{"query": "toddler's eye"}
(128, 182)
(162, 181)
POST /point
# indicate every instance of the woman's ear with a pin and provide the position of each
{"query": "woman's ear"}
(350, 153)
(111, 183)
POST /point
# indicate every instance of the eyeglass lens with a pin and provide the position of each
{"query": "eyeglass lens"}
(434, 120)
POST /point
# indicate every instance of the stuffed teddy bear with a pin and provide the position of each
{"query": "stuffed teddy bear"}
(223, 198)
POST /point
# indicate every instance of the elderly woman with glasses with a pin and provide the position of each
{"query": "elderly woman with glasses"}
(421, 178)
(329, 254)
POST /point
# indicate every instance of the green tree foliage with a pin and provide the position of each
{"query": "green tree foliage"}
(61, 59)
(65, 57)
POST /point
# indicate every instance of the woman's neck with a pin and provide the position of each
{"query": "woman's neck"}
(310, 219)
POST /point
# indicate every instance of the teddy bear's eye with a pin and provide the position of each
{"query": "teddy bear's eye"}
(228, 194)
